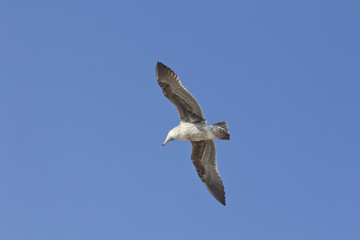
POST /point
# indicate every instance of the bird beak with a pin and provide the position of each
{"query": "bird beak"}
(167, 140)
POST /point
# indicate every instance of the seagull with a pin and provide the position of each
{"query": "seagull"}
(194, 128)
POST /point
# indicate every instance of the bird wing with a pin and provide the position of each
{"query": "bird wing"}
(189, 109)
(204, 158)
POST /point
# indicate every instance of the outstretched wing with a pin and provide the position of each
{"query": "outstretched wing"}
(189, 109)
(204, 158)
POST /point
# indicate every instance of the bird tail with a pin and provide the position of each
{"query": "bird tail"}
(222, 132)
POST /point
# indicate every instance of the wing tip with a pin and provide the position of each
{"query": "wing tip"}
(160, 70)
(159, 64)
(221, 200)
(218, 194)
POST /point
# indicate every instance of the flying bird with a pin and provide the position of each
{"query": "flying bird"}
(194, 128)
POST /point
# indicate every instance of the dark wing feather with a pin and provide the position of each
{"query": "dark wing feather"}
(204, 158)
(188, 107)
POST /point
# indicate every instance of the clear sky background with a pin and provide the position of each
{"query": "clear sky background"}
(82, 119)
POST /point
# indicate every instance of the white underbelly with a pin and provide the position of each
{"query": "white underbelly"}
(189, 132)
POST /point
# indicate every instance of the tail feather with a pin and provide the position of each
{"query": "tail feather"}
(224, 133)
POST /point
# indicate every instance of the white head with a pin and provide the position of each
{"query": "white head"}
(170, 136)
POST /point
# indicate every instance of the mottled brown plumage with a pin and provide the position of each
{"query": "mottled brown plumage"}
(193, 127)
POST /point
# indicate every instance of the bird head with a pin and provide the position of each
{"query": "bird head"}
(169, 138)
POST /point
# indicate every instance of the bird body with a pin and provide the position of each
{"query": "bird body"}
(187, 131)
(194, 128)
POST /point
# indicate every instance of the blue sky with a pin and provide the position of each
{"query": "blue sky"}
(82, 119)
